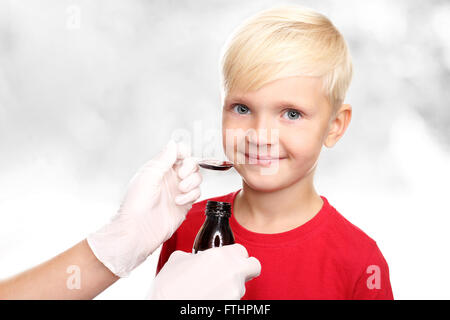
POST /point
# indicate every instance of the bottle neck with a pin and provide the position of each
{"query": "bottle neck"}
(219, 219)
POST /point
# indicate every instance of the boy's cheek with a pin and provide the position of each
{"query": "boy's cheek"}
(302, 164)
(229, 147)
(300, 147)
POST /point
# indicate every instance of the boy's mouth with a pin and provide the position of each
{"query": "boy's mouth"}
(260, 159)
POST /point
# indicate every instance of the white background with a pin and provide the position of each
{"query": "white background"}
(89, 90)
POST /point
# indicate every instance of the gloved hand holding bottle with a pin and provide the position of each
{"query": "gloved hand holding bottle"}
(214, 274)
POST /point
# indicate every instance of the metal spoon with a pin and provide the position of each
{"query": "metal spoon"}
(214, 164)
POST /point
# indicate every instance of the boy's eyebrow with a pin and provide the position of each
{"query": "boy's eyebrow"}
(236, 100)
(289, 104)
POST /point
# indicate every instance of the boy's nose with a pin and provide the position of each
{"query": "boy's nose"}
(262, 136)
(263, 132)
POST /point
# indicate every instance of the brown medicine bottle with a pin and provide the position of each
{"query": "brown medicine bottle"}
(215, 231)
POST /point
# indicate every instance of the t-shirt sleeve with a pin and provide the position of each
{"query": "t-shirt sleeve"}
(167, 249)
(374, 283)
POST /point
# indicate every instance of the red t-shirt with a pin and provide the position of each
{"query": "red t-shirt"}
(325, 258)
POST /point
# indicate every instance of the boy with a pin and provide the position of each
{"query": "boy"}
(285, 74)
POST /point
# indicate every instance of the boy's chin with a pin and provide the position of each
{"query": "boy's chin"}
(263, 183)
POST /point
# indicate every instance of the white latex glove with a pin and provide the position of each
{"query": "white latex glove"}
(155, 204)
(214, 274)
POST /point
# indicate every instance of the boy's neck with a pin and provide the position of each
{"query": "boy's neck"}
(277, 211)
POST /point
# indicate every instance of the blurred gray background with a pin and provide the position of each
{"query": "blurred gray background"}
(90, 90)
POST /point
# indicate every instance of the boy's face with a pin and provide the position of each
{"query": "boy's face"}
(275, 134)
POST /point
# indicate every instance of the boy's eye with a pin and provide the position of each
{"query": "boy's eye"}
(292, 114)
(241, 109)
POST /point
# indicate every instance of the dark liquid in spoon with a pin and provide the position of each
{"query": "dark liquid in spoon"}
(216, 165)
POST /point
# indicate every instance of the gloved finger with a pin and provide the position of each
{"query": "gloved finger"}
(188, 166)
(185, 198)
(252, 268)
(241, 292)
(236, 249)
(176, 255)
(191, 182)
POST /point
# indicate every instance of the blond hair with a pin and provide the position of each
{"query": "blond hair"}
(283, 42)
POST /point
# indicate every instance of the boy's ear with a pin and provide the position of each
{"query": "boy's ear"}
(338, 125)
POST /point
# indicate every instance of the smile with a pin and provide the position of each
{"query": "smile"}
(262, 160)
